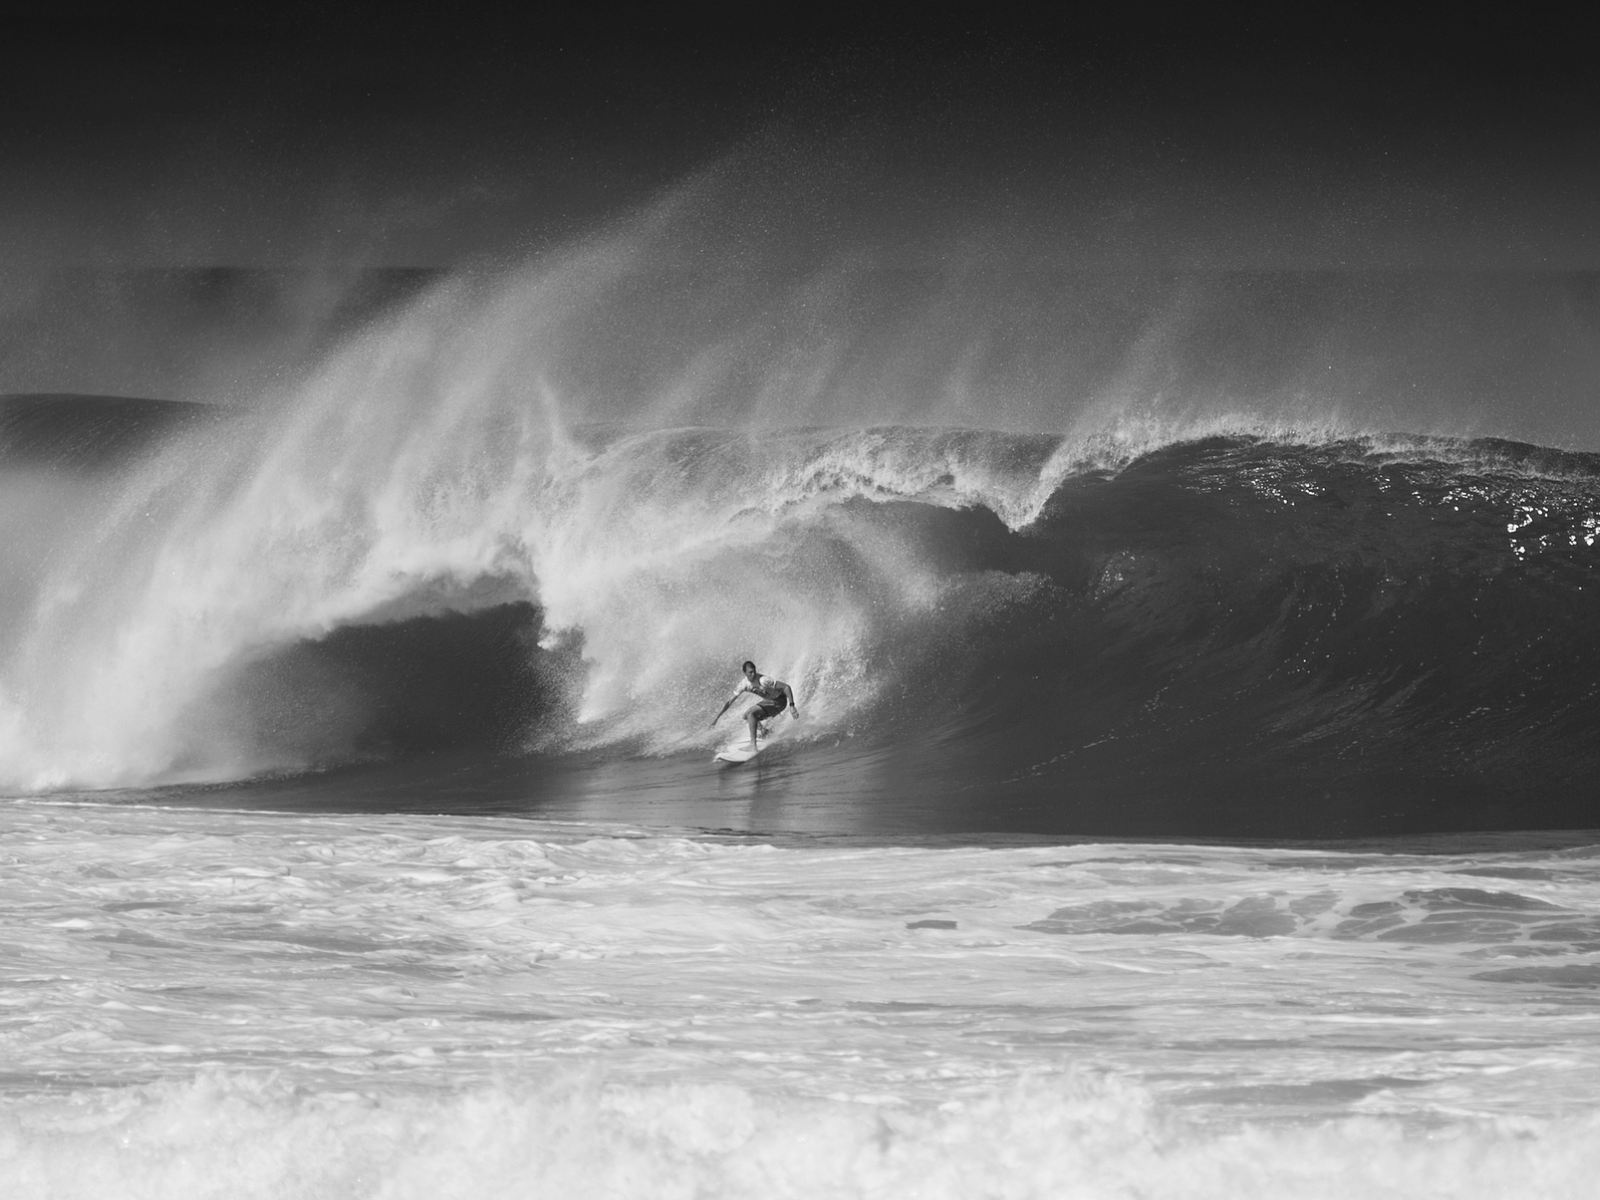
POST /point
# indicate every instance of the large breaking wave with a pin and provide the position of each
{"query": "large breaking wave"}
(461, 533)
(1229, 621)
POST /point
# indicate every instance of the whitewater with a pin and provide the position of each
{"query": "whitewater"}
(1194, 794)
(202, 1003)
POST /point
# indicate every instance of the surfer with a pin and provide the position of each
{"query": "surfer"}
(775, 695)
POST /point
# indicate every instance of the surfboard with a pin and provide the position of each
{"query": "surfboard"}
(740, 751)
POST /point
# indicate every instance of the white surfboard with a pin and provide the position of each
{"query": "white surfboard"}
(740, 751)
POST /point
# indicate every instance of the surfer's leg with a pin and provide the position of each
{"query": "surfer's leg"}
(769, 710)
(759, 716)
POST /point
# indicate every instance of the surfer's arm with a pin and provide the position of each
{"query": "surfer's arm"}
(727, 704)
(794, 705)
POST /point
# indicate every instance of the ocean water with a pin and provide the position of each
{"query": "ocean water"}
(209, 1003)
(1192, 794)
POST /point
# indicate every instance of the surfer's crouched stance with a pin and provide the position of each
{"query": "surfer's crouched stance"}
(776, 695)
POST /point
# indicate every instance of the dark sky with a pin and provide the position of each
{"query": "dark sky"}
(283, 137)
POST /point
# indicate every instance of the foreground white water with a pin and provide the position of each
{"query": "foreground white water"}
(205, 1003)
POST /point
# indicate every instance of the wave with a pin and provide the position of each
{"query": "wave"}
(81, 433)
(458, 532)
(1365, 622)
(1224, 622)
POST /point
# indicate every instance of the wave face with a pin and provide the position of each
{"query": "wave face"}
(1371, 632)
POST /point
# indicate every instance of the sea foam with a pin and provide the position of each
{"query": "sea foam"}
(1075, 1135)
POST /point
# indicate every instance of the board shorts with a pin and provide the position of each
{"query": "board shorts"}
(768, 709)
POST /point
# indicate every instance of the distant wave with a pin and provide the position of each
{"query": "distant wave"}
(71, 431)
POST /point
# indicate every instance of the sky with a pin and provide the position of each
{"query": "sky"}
(1386, 216)
(279, 136)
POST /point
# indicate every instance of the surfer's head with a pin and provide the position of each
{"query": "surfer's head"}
(750, 671)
